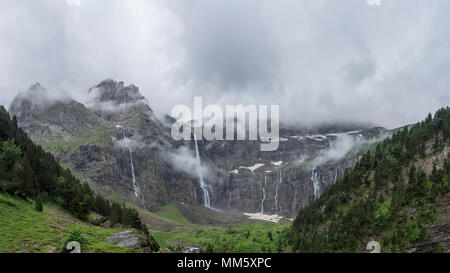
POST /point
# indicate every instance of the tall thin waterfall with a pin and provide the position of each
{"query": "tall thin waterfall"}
(336, 175)
(136, 188)
(280, 180)
(316, 182)
(203, 186)
(264, 195)
(229, 191)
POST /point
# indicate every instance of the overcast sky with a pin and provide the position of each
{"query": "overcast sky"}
(321, 60)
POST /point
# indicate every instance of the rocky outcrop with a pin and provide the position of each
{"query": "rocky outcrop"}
(116, 92)
(132, 240)
(439, 232)
(90, 141)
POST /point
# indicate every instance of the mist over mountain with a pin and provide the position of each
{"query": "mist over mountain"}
(117, 144)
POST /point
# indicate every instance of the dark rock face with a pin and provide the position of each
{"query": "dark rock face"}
(91, 143)
(285, 176)
(99, 142)
(287, 187)
(116, 92)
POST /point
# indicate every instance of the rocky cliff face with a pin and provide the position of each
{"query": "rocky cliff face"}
(90, 140)
(124, 151)
(283, 181)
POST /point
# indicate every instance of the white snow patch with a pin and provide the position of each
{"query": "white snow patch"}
(299, 138)
(353, 132)
(253, 168)
(275, 218)
(317, 137)
(270, 139)
(334, 134)
(277, 163)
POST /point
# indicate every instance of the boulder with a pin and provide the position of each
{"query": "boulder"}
(126, 239)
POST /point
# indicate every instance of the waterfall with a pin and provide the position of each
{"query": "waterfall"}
(229, 190)
(264, 195)
(206, 198)
(336, 176)
(316, 182)
(137, 190)
(280, 180)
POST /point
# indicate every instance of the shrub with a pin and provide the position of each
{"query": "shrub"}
(76, 235)
(38, 204)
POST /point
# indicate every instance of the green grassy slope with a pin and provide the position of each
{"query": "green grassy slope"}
(171, 229)
(25, 230)
(171, 212)
(252, 237)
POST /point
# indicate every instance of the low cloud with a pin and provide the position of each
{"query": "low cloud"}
(344, 145)
(183, 159)
(322, 61)
(41, 97)
(130, 143)
(110, 107)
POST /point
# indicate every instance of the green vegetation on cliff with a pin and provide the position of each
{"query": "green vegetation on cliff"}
(33, 175)
(388, 197)
(28, 171)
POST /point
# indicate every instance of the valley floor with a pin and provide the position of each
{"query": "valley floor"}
(181, 227)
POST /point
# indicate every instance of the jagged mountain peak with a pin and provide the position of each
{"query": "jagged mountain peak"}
(110, 90)
(38, 94)
(36, 99)
(36, 87)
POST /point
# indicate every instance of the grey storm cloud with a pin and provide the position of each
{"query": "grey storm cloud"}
(229, 44)
(320, 60)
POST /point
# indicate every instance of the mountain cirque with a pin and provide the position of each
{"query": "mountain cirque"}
(97, 140)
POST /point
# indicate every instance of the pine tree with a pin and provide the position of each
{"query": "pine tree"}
(422, 149)
(412, 176)
(9, 155)
(116, 214)
(27, 185)
(38, 204)
(421, 181)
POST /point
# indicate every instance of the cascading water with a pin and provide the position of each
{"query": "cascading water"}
(264, 195)
(280, 180)
(335, 176)
(203, 186)
(316, 182)
(229, 197)
(136, 188)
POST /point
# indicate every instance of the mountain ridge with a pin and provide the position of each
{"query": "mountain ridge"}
(90, 140)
